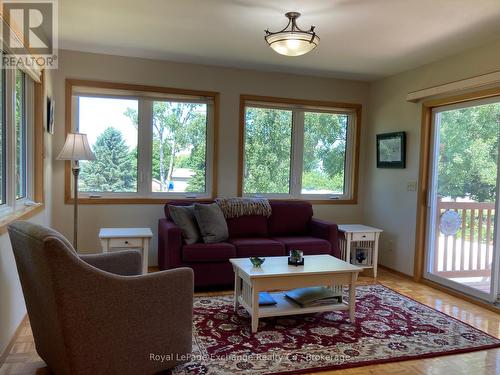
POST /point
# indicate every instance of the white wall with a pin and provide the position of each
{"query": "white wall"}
(386, 202)
(230, 83)
(12, 307)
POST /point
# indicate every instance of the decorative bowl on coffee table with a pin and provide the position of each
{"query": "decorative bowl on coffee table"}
(256, 261)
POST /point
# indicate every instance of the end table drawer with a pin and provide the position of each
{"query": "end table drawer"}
(125, 242)
(363, 236)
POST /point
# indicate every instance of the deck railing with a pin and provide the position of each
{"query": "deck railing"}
(468, 253)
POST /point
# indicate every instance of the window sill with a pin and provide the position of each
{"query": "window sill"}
(22, 214)
(332, 201)
(165, 200)
(351, 201)
(110, 200)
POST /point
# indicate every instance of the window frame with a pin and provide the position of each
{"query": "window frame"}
(27, 138)
(3, 139)
(293, 141)
(209, 156)
(299, 108)
(144, 194)
(31, 91)
(75, 128)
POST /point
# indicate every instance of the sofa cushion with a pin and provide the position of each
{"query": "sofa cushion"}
(257, 247)
(181, 203)
(208, 252)
(289, 217)
(247, 226)
(213, 226)
(183, 217)
(309, 245)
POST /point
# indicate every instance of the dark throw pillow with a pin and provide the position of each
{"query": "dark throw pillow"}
(213, 226)
(183, 217)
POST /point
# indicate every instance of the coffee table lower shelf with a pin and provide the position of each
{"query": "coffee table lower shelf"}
(285, 306)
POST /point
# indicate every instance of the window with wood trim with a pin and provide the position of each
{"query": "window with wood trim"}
(3, 141)
(16, 141)
(149, 142)
(21, 137)
(112, 130)
(298, 149)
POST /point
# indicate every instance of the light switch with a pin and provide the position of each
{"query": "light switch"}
(411, 186)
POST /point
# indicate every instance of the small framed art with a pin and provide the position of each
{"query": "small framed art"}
(391, 150)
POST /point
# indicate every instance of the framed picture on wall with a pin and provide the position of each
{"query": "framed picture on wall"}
(391, 150)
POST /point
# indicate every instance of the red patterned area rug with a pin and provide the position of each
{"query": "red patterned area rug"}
(389, 327)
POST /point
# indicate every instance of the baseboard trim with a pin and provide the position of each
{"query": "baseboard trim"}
(399, 273)
(7, 350)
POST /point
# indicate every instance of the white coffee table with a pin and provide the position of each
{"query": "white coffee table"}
(276, 274)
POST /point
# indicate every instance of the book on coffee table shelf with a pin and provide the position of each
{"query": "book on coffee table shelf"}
(314, 296)
(265, 299)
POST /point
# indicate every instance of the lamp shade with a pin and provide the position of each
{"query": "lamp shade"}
(76, 147)
(292, 43)
(292, 40)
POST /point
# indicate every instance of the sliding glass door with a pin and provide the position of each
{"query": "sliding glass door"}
(462, 245)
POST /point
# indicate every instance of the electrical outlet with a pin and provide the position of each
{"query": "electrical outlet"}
(390, 246)
(411, 186)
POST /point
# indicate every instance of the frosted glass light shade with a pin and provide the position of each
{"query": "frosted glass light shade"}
(292, 43)
(292, 40)
(76, 147)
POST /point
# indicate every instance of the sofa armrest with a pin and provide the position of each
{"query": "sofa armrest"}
(327, 231)
(169, 245)
(125, 263)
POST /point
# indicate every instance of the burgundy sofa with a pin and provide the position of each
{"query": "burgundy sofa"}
(291, 226)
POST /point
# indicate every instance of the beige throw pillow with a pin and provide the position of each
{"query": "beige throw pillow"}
(211, 221)
(183, 217)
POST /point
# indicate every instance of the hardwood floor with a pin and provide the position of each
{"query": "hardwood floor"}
(23, 359)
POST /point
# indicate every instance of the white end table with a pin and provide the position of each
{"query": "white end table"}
(357, 236)
(114, 239)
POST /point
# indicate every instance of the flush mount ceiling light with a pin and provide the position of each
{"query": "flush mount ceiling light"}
(292, 41)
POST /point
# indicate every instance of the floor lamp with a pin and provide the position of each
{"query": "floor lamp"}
(76, 148)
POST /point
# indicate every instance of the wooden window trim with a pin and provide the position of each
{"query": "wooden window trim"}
(70, 83)
(38, 159)
(357, 108)
(424, 171)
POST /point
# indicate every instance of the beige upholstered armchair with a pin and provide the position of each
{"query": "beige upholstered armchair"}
(95, 314)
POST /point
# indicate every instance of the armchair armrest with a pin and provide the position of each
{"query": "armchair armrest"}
(114, 324)
(327, 231)
(125, 263)
(169, 245)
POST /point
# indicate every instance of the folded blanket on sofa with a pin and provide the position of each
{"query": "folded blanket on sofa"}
(235, 207)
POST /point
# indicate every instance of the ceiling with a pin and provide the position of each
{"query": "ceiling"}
(360, 39)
